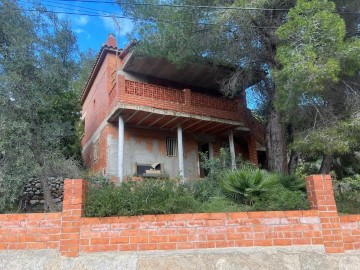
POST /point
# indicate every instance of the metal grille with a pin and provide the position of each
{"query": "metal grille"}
(171, 147)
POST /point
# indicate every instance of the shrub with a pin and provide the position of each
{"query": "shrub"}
(223, 204)
(202, 189)
(246, 189)
(139, 198)
(282, 199)
(247, 184)
(292, 182)
(347, 194)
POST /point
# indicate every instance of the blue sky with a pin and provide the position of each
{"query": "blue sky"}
(91, 31)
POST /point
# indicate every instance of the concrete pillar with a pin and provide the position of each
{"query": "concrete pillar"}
(121, 150)
(211, 151)
(180, 152)
(232, 150)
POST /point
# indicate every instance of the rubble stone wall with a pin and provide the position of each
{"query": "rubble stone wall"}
(33, 193)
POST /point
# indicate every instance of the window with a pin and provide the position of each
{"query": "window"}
(171, 147)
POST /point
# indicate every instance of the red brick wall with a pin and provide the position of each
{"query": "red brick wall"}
(350, 227)
(192, 231)
(72, 233)
(102, 97)
(30, 231)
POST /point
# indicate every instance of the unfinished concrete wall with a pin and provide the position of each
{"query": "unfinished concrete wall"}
(144, 146)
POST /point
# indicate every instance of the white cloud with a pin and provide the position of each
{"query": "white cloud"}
(82, 20)
(79, 31)
(113, 24)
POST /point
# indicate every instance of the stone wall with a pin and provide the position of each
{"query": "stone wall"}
(33, 193)
(254, 258)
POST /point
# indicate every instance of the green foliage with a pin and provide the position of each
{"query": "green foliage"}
(282, 199)
(292, 182)
(247, 184)
(339, 139)
(313, 51)
(263, 190)
(38, 106)
(248, 189)
(347, 194)
(139, 198)
(223, 204)
(218, 164)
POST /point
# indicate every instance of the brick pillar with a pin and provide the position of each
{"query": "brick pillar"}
(73, 209)
(187, 93)
(252, 149)
(121, 86)
(321, 197)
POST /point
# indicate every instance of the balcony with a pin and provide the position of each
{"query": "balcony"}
(180, 100)
(149, 105)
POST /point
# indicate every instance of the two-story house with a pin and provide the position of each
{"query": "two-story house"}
(141, 111)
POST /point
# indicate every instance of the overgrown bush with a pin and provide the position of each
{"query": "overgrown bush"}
(246, 189)
(139, 198)
(247, 184)
(263, 190)
(347, 194)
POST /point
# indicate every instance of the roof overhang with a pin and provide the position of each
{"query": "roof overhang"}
(198, 75)
(147, 117)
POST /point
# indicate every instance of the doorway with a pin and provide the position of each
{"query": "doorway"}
(203, 149)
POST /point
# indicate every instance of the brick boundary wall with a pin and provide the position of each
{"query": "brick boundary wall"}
(71, 233)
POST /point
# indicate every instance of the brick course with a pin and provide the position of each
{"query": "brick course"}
(71, 232)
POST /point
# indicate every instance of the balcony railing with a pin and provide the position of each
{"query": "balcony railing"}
(181, 100)
(154, 92)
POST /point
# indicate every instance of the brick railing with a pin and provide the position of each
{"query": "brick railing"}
(185, 101)
(71, 232)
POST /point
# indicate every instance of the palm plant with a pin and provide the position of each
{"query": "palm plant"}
(292, 182)
(248, 184)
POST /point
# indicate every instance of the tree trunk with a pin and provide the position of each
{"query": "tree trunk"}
(326, 164)
(275, 137)
(293, 162)
(49, 204)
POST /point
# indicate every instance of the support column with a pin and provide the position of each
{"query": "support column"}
(211, 151)
(232, 150)
(180, 152)
(121, 150)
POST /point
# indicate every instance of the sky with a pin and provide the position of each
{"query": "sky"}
(91, 31)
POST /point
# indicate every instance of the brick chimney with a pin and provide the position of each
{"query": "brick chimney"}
(111, 41)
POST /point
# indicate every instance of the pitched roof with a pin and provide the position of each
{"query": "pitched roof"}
(95, 69)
